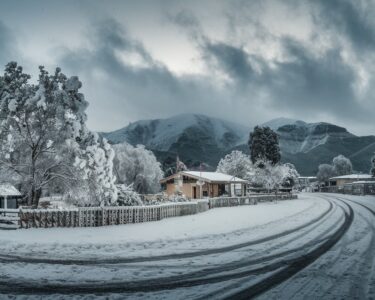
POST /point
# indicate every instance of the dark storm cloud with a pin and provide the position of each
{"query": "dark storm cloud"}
(353, 19)
(232, 60)
(318, 82)
(304, 82)
(133, 92)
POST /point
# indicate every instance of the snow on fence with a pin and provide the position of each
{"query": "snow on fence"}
(104, 216)
(248, 200)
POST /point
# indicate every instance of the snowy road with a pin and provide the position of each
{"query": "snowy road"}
(319, 246)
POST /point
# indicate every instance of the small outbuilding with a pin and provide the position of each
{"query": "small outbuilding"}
(9, 196)
(196, 184)
(363, 188)
(340, 181)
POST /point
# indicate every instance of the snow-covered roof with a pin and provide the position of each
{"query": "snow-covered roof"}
(213, 176)
(7, 190)
(364, 181)
(352, 176)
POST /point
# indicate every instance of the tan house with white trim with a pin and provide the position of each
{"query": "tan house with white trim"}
(196, 184)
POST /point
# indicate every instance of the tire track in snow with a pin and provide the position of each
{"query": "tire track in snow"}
(347, 272)
(368, 258)
(298, 264)
(361, 204)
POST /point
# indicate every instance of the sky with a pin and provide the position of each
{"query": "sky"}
(244, 61)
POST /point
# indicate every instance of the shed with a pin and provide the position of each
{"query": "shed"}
(9, 196)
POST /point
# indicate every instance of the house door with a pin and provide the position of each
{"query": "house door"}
(194, 192)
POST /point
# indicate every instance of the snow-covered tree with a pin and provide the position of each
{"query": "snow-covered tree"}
(372, 171)
(342, 165)
(272, 177)
(236, 164)
(43, 132)
(96, 170)
(289, 175)
(325, 172)
(264, 145)
(137, 166)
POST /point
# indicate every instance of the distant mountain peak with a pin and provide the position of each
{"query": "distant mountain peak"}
(274, 124)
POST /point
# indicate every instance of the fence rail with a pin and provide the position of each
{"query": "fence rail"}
(249, 200)
(354, 188)
(105, 216)
(9, 218)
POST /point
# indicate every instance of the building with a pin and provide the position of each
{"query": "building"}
(340, 181)
(196, 185)
(363, 188)
(9, 196)
(307, 183)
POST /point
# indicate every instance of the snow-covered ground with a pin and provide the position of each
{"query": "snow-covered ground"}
(217, 227)
(222, 253)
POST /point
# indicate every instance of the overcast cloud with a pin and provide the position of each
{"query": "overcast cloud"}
(245, 61)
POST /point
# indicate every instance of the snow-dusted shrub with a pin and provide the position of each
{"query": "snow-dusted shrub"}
(127, 196)
(178, 198)
(289, 175)
(236, 164)
(137, 166)
(372, 171)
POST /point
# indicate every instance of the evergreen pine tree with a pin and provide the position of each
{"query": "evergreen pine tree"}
(264, 145)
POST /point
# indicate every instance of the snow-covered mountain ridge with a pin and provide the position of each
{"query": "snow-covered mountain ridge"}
(161, 134)
(303, 137)
(198, 138)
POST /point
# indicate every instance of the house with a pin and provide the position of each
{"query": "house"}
(9, 196)
(196, 184)
(340, 181)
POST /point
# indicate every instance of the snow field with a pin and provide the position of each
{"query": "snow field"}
(221, 226)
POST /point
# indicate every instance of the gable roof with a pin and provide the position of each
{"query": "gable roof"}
(353, 176)
(7, 190)
(208, 177)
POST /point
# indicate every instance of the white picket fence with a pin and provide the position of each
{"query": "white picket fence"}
(104, 216)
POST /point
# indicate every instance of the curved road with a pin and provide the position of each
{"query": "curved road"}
(330, 256)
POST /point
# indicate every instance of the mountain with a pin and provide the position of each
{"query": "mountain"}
(195, 138)
(198, 138)
(307, 145)
(274, 124)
